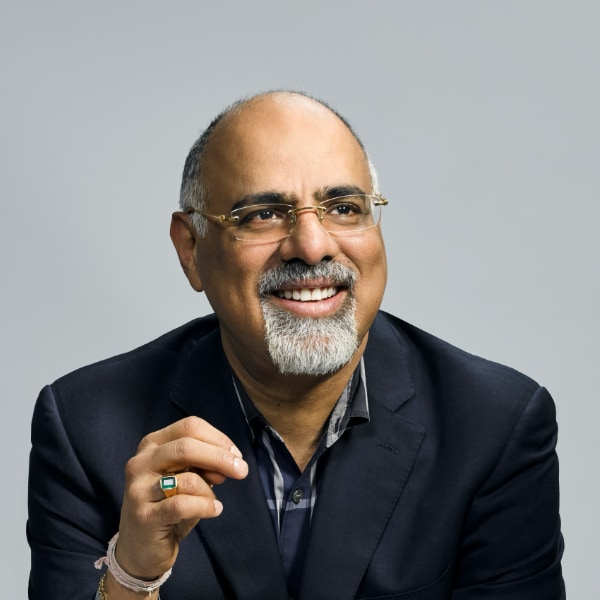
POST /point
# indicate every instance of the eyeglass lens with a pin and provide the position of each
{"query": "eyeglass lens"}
(339, 216)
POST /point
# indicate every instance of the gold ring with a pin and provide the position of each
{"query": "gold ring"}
(168, 485)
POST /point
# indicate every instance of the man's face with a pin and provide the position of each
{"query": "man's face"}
(294, 147)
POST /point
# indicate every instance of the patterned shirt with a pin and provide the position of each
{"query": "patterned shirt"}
(291, 494)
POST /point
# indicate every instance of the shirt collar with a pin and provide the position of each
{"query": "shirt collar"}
(351, 408)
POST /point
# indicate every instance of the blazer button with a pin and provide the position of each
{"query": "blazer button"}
(297, 496)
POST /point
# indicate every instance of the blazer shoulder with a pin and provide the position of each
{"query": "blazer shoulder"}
(471, 408)
(466, 391)
(429, 353)
(128, 390)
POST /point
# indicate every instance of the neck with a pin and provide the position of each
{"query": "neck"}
(297, 406)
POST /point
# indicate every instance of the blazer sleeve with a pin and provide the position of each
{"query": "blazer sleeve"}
(67, 525)
(512, 544)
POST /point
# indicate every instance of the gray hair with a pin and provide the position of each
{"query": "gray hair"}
(194, 191)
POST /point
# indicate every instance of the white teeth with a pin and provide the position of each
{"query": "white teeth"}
(308, 294)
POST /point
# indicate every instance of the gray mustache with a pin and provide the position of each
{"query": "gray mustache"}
(297, 273)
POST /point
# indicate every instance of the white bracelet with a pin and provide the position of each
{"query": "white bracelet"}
(126, 580)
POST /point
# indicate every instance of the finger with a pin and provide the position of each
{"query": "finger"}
(188, 453)
(188, 483)
(211, 477)
(192, 427)
(184, 508)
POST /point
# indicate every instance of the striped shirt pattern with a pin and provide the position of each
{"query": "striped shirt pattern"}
(291, 495)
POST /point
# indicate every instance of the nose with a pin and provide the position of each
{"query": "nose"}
(318, 210)
(308, 240)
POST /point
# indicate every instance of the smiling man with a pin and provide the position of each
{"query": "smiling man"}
(298, 443)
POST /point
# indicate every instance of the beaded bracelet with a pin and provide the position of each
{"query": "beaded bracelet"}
(123, 578)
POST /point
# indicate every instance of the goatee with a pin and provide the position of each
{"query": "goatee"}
(309, 345)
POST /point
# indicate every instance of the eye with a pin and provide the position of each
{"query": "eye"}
(343, 209)
(346, 208)
(253, 217)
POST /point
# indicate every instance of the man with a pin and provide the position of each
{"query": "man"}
(300, 444)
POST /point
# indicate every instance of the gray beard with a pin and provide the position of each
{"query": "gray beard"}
(309, 345)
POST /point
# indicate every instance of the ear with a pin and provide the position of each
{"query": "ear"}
(183, 236)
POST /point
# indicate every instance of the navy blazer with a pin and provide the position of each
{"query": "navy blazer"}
(451, 490)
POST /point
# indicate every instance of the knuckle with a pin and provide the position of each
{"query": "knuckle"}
(135, 490)
(134, 466)
(142, 515)
(173, 509)
(185, 485)
(177, 504)
(146, 441)
(224, 458)
(182, 507)
(197, 485)
(182, 447)
(192, 426)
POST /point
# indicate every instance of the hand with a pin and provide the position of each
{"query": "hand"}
(151, 525)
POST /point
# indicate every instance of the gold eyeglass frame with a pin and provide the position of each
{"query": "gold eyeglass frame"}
(319, 210)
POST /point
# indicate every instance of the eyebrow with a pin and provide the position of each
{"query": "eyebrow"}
(272, 197)
(341, 190)
(261, 198)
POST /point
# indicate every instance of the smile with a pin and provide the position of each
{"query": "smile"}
(307, 294)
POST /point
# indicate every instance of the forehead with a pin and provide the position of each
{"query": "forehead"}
(286, 144)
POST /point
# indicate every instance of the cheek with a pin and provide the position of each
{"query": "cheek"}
(368, 256)
(230, 273)
(370, 260)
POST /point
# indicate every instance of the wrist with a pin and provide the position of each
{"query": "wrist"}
(124, 579)
(115, 591)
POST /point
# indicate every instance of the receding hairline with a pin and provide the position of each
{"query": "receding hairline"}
(194, 190)
(220, 123)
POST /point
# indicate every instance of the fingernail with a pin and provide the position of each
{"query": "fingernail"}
(240, 465)
(235, 450)
(218, 507)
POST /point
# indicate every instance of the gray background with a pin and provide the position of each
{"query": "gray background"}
(482, 118)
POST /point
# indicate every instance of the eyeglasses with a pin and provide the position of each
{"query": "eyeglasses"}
(273, 222)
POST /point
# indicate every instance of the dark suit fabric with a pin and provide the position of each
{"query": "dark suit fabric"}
(451, 490)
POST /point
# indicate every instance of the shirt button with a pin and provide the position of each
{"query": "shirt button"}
(297, 496)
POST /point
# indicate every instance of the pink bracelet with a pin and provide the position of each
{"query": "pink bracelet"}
(126, 580)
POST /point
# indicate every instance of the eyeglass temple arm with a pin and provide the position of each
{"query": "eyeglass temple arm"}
(220, 218)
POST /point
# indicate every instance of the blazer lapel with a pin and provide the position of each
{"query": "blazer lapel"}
(362, 483)
(241, 540)
(365, 474)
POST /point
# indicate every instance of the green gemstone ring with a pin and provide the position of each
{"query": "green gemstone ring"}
(168, 485)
